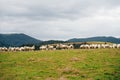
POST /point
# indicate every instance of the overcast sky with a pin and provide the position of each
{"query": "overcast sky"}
(60, 19)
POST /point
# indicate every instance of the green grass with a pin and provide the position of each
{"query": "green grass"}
(93, 64)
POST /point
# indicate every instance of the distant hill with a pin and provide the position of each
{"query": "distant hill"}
(23, 39)
(17, 40)
(101, 39)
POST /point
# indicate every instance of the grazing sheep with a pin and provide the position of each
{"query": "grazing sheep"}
(25, 48)
(118, 46)
(32, 48)
(70, 46)
(84, 46)
(3, 49)
(43, 47)
(50, 47)
(61, 46)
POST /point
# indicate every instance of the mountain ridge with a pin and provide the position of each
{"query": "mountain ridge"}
(98, 38)
(21, 39)
(17, 39)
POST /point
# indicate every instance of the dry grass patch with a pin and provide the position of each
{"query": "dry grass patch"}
(62, 78)
(69, 71)
(31, 59)
(76, 59)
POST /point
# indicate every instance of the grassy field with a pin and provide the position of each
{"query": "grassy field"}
(93, 64)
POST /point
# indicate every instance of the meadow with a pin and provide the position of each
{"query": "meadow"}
(78, 64)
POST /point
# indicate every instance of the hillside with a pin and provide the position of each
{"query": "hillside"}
(17, 40)
(100, 39)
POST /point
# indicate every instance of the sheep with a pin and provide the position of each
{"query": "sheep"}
(84, 46)
(3, 49)
(118, 46)
(61, 46)
(70, 46)
(25, 48)
(50, 47)
(32, 48)
(43, 47)
(11, 49)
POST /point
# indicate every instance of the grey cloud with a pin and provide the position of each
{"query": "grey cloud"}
(60, 19)
(47, 9)
(54, 9)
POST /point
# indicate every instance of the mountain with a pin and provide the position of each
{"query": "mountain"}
(17, 40)
(101, 39)
(23, 39)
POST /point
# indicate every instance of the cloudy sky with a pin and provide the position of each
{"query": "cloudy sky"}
(60, 19)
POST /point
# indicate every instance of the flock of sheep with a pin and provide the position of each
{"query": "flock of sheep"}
(25, 48)
(60, 47)
(98, 46)
(81, 46)
(56, 47)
